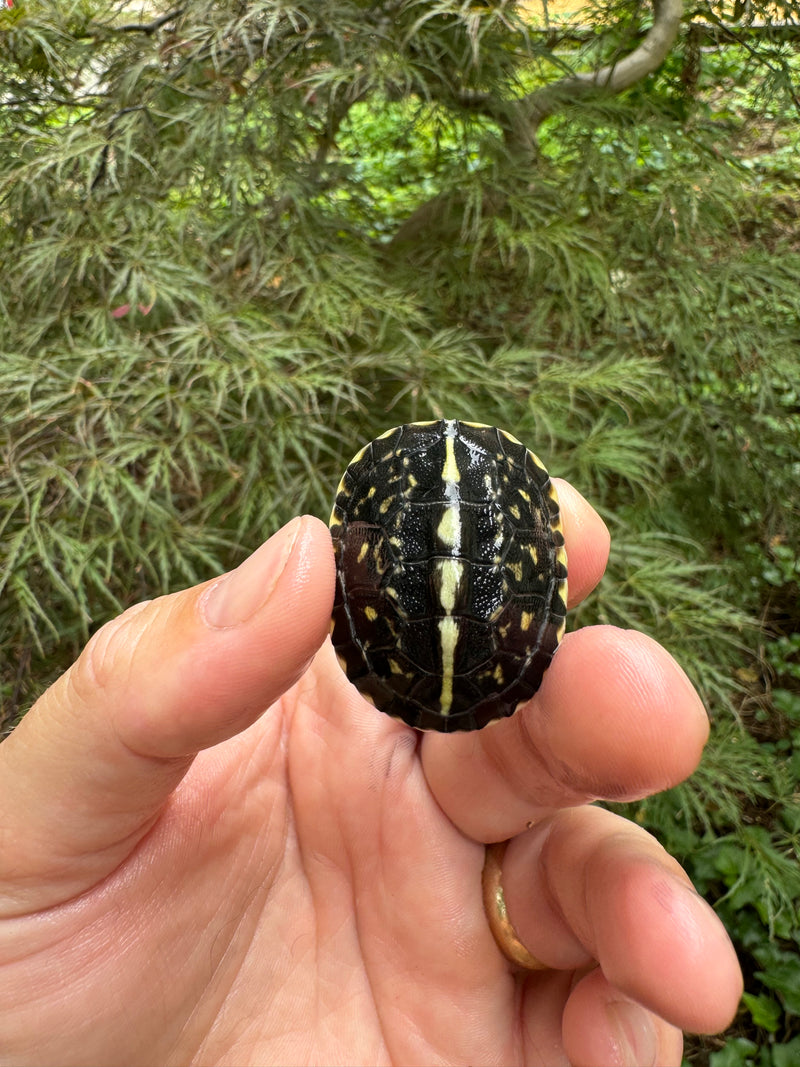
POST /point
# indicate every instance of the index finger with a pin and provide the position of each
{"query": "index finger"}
(586, 539)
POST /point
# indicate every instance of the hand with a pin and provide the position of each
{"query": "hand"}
(184, 879)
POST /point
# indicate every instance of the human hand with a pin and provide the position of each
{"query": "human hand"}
(184, 879)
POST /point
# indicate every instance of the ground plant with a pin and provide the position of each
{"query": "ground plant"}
(238, 239)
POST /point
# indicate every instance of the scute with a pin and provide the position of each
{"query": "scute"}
(451, 577)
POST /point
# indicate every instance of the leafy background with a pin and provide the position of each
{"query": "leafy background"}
(240, 240)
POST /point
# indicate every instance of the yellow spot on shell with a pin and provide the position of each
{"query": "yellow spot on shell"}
(371, 613)
(516, 570)
(526, 620)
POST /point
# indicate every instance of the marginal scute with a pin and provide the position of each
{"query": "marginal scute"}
(451, 574)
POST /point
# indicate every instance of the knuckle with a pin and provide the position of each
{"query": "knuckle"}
(107, 661)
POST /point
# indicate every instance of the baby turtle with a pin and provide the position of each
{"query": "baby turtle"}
(451, 574)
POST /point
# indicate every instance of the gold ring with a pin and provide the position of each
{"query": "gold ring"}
(494, 903)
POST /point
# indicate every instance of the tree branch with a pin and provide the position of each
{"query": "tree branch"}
(519, 119)
(614, 78)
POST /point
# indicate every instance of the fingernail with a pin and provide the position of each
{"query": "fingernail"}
(238, 595)
(633, 1033)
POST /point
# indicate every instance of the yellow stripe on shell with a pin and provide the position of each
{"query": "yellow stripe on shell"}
(449, 529)
(448, 638)
(450, 473)
(451, 573)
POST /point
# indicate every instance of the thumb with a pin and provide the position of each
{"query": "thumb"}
(85, 774)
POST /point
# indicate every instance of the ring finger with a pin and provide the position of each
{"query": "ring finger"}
(588, 885)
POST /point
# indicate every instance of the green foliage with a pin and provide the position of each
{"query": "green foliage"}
(741, 1052)
(240, 240)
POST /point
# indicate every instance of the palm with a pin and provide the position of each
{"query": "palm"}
(296, 879)
(309, 889)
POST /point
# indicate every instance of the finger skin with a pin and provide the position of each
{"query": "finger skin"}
(587, 542)
(589, 885)
(616, 718)
(603, 1028)
(86, 773)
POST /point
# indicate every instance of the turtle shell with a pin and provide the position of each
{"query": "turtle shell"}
(451, 576)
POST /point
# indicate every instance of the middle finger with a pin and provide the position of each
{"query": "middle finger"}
(616, 718)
